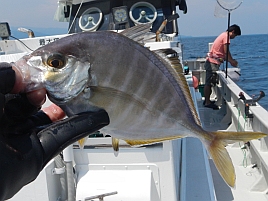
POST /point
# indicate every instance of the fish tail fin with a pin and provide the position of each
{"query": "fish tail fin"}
(222, 161)
(220, 156)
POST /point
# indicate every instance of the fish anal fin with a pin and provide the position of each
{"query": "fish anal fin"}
(150, 141)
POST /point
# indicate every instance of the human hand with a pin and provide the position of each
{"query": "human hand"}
(25, 147)
(27, 103)
(24, 156)
(234, 63)
(36, 97)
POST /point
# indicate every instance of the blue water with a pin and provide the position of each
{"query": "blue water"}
(251, 52)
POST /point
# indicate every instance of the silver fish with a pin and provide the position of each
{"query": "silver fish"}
(147, 100)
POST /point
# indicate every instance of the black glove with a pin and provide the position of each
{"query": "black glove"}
(22, 157)
(7, 77)
(25, 148)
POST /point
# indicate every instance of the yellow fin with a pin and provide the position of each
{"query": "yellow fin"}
(174, 66)
(220, 155)
(115, 143)
(222, 162)
(150, 141)
(239, 136)
(82, 142)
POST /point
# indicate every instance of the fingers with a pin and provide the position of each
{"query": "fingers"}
(37, 97)
(54, 112)
(63, 133)
(18, 86)
(234, 63)
(28, 77)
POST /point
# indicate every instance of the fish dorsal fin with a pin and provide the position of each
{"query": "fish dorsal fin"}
(139, 33)
(169, 56)
(150, 141)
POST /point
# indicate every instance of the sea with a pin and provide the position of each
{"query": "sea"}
(251, 52)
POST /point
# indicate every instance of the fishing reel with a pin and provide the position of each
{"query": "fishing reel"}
(249, 103)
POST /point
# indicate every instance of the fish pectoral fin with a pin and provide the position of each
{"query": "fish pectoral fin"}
(115, 143)
(150, 141)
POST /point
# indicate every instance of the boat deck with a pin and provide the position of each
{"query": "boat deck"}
(211, 119)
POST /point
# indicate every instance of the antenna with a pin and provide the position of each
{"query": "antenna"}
(228, 5)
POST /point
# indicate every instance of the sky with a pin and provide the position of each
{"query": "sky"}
(251, 16)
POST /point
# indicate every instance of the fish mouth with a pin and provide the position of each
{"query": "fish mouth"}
(32, 76)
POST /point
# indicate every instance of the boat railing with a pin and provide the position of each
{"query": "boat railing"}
(247, 115)
(26, 45)
(248, 110)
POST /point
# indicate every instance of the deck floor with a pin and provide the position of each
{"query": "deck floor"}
(211, 119)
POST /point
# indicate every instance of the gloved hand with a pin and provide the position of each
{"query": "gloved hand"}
(22, 157)
(25, 148)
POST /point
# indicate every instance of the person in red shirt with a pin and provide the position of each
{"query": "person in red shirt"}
(217, 55)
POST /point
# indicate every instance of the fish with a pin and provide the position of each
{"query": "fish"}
(144, 92)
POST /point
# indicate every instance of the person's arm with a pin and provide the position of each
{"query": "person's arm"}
(232, 61)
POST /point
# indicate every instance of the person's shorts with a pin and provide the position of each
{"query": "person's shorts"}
(211, 69)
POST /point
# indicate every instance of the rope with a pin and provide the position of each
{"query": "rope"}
(75, 15)
(245, 163)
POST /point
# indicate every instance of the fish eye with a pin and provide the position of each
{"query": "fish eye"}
(56, 61)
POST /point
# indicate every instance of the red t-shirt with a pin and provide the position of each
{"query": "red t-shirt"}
(217, 49)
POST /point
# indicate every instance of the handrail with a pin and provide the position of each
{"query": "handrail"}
(101, 196)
